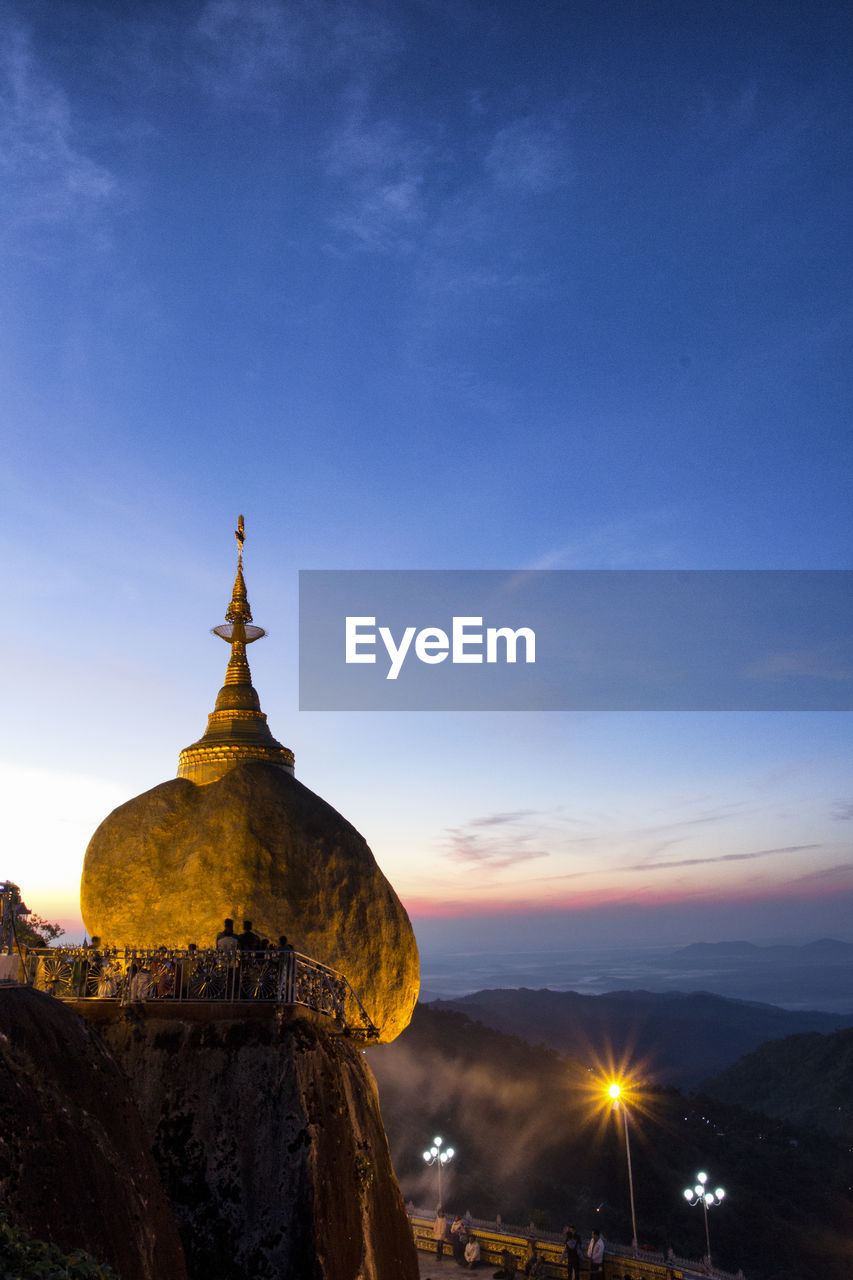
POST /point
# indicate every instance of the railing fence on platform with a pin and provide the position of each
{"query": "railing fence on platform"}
(621, 1262)
(136, 975)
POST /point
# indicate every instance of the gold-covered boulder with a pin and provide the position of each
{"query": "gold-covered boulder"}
(168, 866)
(236, 835)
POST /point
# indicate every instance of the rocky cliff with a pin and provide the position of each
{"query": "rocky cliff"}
(270, 1144)
(75, 1163)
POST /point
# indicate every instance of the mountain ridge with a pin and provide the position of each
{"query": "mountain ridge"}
(680, 1037)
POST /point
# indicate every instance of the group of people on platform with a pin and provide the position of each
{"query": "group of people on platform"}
(463, 1243)
(467, 1251)
(99, 970)
(248, 940)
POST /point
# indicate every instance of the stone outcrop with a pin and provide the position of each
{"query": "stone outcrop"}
(168, 866)
(75, 1161)
(269, 1140)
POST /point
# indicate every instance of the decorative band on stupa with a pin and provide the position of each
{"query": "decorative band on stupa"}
(237, 729)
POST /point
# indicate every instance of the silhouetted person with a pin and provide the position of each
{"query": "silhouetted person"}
(458, 1239)
(596, 1253)
(534, 1266)
(227, 939)
(283, 944)
(439, 1231)
(507, 1270)
(248, 940)
(572, 1253)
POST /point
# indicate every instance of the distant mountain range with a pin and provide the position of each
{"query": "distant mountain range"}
(820, 952)
(669, 1037)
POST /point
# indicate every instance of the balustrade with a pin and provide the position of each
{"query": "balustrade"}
(137, 975)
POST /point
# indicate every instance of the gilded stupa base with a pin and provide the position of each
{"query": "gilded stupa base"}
(205, 764)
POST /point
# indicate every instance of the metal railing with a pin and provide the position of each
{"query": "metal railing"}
(163, 975)
(621, 1262)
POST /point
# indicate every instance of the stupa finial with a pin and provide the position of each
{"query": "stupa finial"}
(237, 728)
(239, 612)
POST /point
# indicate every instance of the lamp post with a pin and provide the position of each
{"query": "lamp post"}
(614, 1091)
(439, 1158)
(701, 1195)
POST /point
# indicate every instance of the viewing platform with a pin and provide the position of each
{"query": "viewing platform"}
(194, 980)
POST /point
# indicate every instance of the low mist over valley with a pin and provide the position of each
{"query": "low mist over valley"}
(814, 975)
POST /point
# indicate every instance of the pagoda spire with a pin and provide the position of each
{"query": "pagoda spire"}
(237, 730)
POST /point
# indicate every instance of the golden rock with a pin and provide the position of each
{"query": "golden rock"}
(235, 834)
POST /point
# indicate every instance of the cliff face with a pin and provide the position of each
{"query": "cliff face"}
(171, 864)
(270, 1145)
(75, 1164)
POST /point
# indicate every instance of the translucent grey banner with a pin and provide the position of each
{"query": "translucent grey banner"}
(576, 640)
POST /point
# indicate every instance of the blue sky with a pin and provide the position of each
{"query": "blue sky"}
(426, 285)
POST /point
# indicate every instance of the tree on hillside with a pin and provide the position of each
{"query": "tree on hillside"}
(34, 931)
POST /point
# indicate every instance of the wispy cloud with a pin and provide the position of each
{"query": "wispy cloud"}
(379, 170)
(823, 873)
(843, 811)
(530, 156)
(720, 857)
(643, 540)
(496, 840)
(258, 48)
(501, 819)
(46, 175)
(502, 839)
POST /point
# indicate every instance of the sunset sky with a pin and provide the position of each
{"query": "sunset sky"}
(427, 285)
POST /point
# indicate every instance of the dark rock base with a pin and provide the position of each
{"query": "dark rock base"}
(270, 1145)
(75, 1163)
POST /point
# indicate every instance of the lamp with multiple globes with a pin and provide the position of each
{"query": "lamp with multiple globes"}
(701, 1195)
(439, 1157)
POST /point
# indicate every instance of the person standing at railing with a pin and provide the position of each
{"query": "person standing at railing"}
(534, 1266)
(572, 1253)
(508, 1267)
(226, 939)
(141, 985)
(439, 1231)
(163, 973)
(595, 1253)
(458, 1239)
(286, 979)
(248, 940)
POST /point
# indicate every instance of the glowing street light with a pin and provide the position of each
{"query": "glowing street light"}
(439, 1158)
(701, 1195)
(614, 1092)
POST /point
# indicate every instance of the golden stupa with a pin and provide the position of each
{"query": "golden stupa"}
(235, 834)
